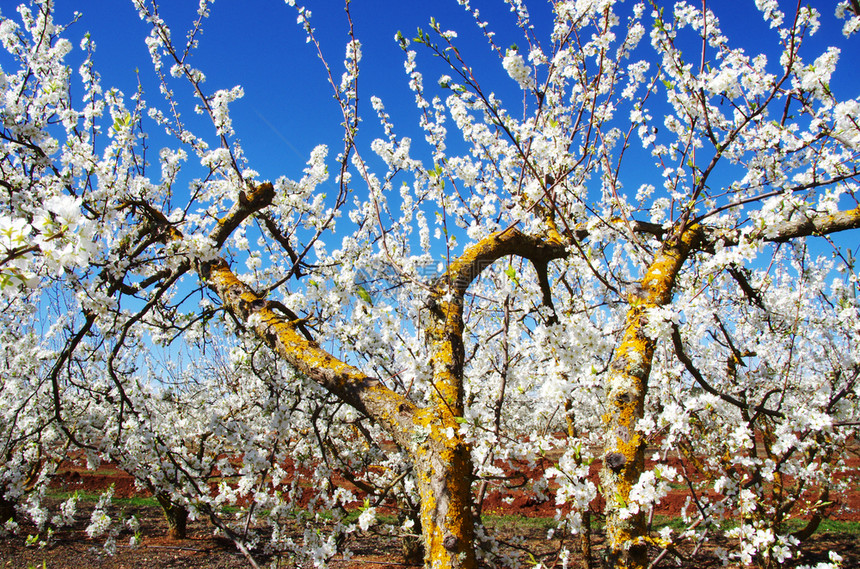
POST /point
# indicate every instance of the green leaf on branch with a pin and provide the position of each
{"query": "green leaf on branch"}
(121, 122)
(364, 295)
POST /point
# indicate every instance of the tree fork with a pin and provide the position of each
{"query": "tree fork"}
(442, 463)
(624, 456)
(443, 460)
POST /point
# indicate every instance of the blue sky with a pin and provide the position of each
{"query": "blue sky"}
(288, 107)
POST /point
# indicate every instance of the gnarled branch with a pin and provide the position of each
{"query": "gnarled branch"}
(464, 270)
(364, 393)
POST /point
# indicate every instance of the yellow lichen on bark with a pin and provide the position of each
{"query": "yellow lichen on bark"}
(445, 335)
(624, 456)
(442, 459)
(444, 469)
(284, 335)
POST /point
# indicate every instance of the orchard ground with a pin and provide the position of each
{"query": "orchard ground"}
(516, 515)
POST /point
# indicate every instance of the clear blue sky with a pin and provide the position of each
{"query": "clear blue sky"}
(288, 107)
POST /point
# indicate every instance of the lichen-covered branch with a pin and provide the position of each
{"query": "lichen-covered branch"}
(628, 380)
(624, 456)
(366, 394)
(482, 254)
(445, 481)
(802, 226)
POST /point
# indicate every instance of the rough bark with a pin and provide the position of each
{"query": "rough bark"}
(443, 469)
(443, 461)
(176, 517)
(624, 456)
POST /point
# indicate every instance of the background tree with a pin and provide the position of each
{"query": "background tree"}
(472, 302)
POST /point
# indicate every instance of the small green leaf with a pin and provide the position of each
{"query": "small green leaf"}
(364, 295)
(120, 122)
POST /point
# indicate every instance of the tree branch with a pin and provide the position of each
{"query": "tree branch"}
(823, 224)
(245, 206)
(697, 375)
(463, 271)
(287, 338)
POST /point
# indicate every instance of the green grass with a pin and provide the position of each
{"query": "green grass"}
(352, 517)
(829, 526)
(85, 497)
(677, 524)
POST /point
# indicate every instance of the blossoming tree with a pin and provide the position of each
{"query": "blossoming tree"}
(478, 302)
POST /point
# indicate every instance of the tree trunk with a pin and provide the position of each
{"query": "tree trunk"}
(176, 517)
(442, 460)
(7, 509)
(411, 546)
(443, 467)
(585, 534)
(624, 456)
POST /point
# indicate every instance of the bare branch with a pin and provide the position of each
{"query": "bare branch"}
(697, 375)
